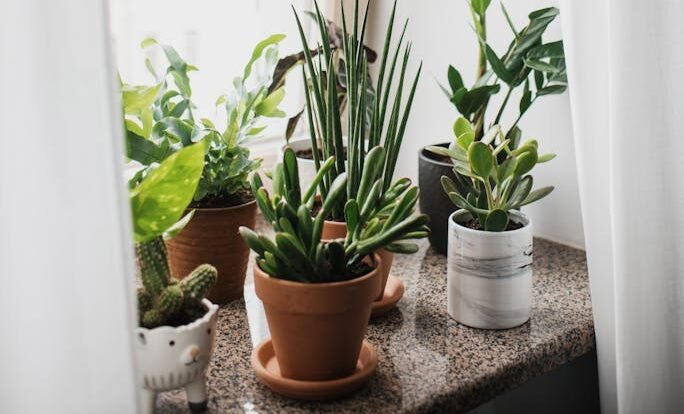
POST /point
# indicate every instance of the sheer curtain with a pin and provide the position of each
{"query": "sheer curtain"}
(625, 63)
(66, 268)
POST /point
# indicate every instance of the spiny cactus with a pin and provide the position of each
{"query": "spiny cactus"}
(163, 298)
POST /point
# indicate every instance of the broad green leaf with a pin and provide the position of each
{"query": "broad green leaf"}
(536, 195)
(552, 90)
(269, 106)
(162, 197)
(473, 99)
(465, 139)
(520, 193)
(548, 50)
(496, 220)
(259, 50)
(481, 159)
(137, 98)
(461, 126)
(526, 98)
(455, 80)
(143, 150)
(497, 65)
(545, 158)
(526, 161)
(540, 65)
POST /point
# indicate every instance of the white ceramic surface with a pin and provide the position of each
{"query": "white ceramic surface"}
(169, 358)
(307, 168)
(489, 275)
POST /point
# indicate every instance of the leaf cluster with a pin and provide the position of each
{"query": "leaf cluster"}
(388, 117)
(159, 119)
(374, 220)
(491, 180)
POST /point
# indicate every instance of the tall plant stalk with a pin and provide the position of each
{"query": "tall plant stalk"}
(323, 103)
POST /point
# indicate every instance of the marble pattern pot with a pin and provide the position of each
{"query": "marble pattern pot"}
(212, 237)
(317, 329)
(433, 200)
(173, 357)
(489, 275)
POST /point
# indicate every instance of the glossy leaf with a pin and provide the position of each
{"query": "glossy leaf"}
(481, 159)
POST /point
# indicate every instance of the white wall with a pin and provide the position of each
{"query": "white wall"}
(441, 35)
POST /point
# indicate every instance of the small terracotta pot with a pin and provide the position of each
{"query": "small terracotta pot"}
(317, 328)
(212, 237)
(338, 229)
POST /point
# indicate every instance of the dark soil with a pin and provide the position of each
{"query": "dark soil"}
(186, 316)
(317, 207)
(242, 196)
(307, 154)
(358, 270)
(475, 225)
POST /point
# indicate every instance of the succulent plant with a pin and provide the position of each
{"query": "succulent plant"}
(491, 181)
(162, 298)
(374, 219)
(372, 117)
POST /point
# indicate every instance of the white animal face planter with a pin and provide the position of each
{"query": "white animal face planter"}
(170, 358)
(489, 275)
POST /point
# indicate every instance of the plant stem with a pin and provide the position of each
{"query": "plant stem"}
(503, 105)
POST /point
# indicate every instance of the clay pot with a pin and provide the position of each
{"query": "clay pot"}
(433, 200)
(317, 329)
(337, 230)
(212, 237)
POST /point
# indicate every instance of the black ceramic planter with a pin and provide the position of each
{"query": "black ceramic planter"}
(433, 200)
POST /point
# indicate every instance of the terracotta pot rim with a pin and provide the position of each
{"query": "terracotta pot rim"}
(422, 155)
(338, 223)
(206, 318)
(222, 209)
(258, 272)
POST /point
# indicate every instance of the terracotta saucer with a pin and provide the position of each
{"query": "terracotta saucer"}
(267, 370)
(394, 290)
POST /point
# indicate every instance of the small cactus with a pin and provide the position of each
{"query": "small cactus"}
(163, 298)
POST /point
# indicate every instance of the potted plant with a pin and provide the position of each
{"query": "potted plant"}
(301, 144)
(489, 262)
(529, 65)
(162, 122)
(317, 294)
(368, 122)
(175, 339)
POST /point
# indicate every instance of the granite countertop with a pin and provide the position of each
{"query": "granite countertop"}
(427, 361)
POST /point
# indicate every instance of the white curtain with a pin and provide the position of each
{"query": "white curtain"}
(66, 269)
(625, 65)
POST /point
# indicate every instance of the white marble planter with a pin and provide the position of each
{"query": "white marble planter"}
(307, 168)
(170, 358)
(489, 275)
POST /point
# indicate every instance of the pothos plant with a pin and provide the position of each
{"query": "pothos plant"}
(157, 204)
(497, 179)
(323, 106)
(374, 220)
(160, 120)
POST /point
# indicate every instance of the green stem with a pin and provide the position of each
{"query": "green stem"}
(490, 196)
(503, 105)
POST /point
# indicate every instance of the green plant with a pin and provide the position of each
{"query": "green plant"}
(497, 177)
(159, 121)
(288, 63)
(157, 204)
(374, 219)
(323, 105)
(527, 62)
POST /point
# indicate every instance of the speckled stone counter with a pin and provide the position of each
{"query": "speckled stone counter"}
(427, 361)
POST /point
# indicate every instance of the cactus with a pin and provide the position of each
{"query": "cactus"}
(163, 298)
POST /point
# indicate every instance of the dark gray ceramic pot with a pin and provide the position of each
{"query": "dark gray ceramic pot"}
(433, 201)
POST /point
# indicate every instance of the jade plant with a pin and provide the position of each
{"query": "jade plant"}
(388, 117)
(497, 177)
(157, 204)
(528, 63)
(374, 219)
(160, 120)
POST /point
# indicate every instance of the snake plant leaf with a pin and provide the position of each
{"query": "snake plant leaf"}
(497, 220)
(536, 195)
(522, 190)
(481, 159)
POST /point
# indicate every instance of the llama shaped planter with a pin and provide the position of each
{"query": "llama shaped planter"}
(170, 358)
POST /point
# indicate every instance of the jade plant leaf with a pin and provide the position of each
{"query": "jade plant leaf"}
(159, 201)
(481, 159)
(496, 220)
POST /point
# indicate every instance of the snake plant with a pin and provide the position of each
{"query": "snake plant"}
(323, 104)
(491, 181)
(375, 219)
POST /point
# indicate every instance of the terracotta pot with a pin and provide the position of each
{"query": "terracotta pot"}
(336, 230)
(212, 237)
(317, 328)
